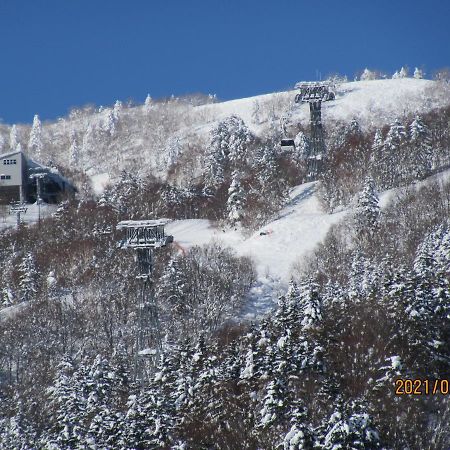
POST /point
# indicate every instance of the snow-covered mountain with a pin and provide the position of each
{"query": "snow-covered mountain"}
(147, 139)
(283, 315)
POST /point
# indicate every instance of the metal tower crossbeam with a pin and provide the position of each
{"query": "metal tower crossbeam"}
(314, 91)
(144, 233)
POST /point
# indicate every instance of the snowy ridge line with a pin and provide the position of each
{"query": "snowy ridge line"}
(102, 143)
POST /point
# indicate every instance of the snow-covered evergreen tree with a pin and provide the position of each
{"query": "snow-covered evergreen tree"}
(215, 164)
(239, 137)
(392, 163)
(74, 150)
(420, 155)
(431, 289)
(124, 191)
(67, 429)
(302, 146)
(35, 142)
(310, 304)
(7, 297)
(28, 277)
(13, 141)
(228, 149)
(236, 200)
(361, 277)
(395, 136)
(148, 104)
(117, 110)
(273, 407)
(172, 291)
(368, 75)
(156, 417)
(350, 431)
(273, 188)
(377, 155)
(267, 167)
(418, 73)
(16, 432)
(377, 141)
(390, 370)
(368, 210)
(110, 123)
(174, 149)
(300, 436)
(102, 387)
(402, 73)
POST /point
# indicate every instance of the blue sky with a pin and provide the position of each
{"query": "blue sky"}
(56, 54)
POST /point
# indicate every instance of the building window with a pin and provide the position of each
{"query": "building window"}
(7, 162)
(5, 177)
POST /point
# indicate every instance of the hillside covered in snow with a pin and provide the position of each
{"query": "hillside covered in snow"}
(152, 138)
(286, 313)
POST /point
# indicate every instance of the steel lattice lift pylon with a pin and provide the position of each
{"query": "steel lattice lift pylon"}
(143, 236)
(314, 93)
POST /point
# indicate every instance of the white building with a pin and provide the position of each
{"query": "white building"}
(12, 176)
(16, 183)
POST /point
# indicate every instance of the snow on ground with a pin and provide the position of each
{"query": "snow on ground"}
(190, 232)
(10, 311)
(99, 182)
(262, 298)
(299, 227)
(290, 237)
(31, 216)
(373, 103)
(377, 102)
(387, 196)
(277, 246)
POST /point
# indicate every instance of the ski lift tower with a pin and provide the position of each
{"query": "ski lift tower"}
(17, 208)
(143, 236)
(315, 93)
(38, 176)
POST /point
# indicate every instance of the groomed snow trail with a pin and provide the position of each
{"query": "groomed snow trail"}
(292, 235)
(289, 238)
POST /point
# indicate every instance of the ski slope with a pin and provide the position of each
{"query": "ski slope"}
(275, 248)
(298, 228)
(287, 240)
(373, 103)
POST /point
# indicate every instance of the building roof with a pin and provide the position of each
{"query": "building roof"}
(6, 155)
